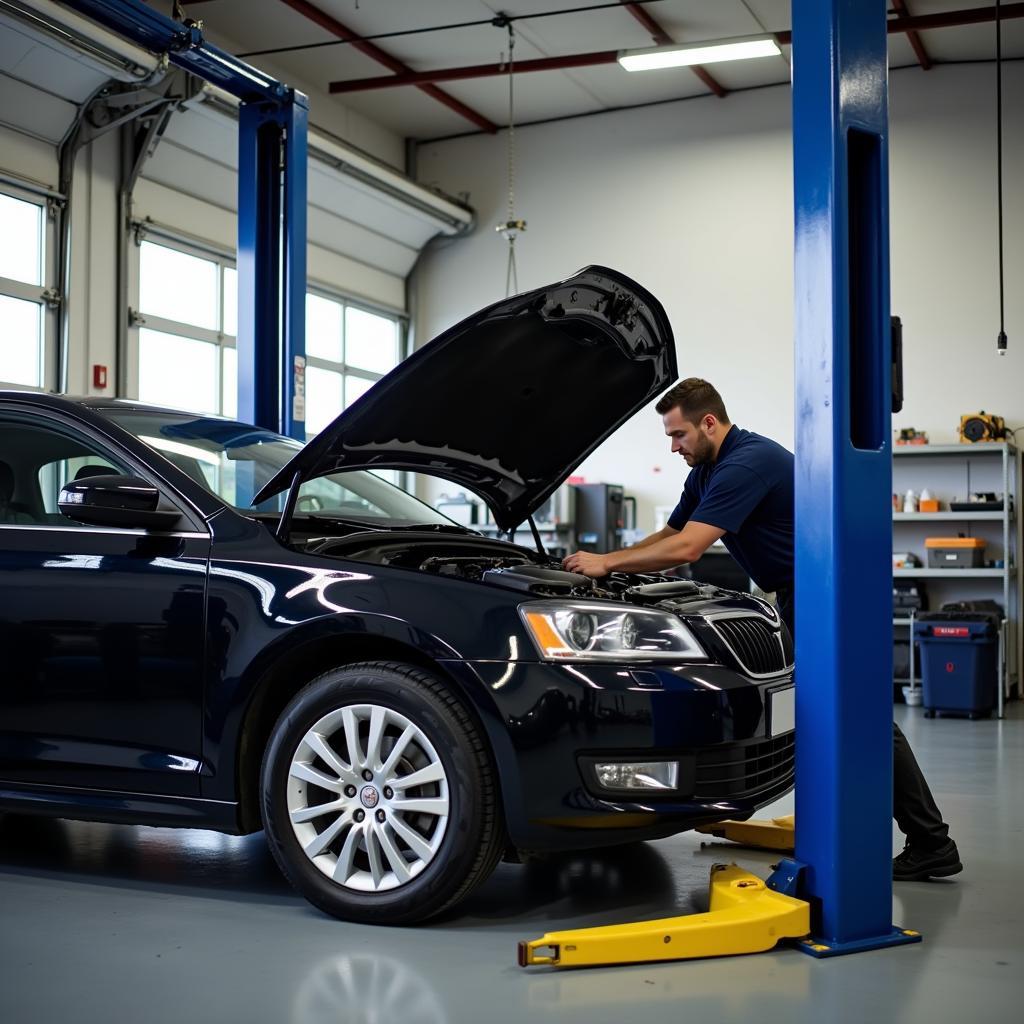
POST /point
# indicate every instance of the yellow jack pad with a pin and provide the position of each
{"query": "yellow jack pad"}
(777, 834)
(745, 917)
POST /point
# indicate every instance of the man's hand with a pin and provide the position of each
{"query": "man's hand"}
(587, 563)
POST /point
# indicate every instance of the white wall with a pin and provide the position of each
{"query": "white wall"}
(694, 200)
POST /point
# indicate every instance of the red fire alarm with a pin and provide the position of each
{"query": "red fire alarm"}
(99, 376)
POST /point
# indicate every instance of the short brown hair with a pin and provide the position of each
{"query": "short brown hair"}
(694, 398)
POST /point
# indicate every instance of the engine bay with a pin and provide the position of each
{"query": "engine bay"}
(499, 563)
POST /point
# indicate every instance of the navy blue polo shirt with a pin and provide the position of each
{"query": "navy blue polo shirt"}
(748, 492)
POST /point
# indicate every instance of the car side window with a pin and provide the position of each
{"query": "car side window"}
(36, 459)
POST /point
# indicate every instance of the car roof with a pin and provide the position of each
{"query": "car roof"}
(100, 402)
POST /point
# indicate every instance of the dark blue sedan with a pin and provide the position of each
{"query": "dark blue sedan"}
(207, 625)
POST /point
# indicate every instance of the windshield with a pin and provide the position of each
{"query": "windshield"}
(234, 460)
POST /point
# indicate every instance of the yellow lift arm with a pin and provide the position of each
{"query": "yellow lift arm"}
(777, 834)
(745, 917)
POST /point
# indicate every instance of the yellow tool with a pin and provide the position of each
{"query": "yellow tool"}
(777, 834)
(745, 917)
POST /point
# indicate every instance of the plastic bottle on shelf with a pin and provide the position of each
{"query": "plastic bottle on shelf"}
(910, 501)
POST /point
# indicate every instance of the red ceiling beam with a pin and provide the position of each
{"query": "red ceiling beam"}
(901, 11)
(475, 71)
(948, 19)
(662, 38)
(422, 79)
(332, 25)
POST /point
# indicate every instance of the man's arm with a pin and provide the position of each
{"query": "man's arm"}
(654, 553)
(662, 534)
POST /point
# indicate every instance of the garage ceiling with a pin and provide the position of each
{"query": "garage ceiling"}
(250, 27)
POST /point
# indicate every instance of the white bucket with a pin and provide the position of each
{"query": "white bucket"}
(912, 695)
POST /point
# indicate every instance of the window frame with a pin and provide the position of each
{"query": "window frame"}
(138, 319)
(44, 294)
(57, 421)
(400, 321)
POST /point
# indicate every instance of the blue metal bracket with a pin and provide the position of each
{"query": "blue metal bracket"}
(788, 878)
(843, 472)
(272, 158)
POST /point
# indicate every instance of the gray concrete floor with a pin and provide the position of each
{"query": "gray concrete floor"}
(117, 924)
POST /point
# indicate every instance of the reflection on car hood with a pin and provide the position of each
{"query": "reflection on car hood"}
(508, 402)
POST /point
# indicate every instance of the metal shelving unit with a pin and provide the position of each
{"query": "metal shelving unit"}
(961, 469)
(949, 517)
(953, 574)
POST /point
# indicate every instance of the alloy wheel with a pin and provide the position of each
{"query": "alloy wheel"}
(368, 797)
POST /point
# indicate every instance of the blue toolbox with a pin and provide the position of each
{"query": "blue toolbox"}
(959, 662)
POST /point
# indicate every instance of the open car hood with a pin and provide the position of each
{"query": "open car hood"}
(509, 401)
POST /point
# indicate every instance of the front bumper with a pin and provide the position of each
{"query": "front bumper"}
(553, 720)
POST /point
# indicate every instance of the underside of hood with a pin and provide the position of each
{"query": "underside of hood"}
(509, 401)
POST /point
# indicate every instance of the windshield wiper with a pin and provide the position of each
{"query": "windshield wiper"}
(437, 528)
(358, 524)
(388, 525)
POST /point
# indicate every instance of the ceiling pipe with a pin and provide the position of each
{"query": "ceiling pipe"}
(331, 24)
(949, 19)
(662, 38)
(901, 10)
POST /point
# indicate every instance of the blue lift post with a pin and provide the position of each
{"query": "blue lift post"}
(843, 474)
(272, 265)
(271, 209)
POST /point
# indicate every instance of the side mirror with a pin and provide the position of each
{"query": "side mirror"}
(113, 500)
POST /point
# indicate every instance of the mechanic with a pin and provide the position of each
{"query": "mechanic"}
(741, 491)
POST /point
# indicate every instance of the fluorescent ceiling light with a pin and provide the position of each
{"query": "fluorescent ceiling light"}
(657, 57)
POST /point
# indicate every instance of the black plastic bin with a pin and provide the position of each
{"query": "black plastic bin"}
(959, 662)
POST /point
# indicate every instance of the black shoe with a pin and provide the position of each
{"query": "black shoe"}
(916, 865)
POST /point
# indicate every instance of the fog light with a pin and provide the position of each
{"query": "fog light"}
(639, 775)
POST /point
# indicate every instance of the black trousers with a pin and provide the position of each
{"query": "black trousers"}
(913, 805)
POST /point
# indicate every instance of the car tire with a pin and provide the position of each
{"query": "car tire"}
(367, 857)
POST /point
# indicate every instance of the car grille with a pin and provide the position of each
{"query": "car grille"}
(760, 648)
(738, 770)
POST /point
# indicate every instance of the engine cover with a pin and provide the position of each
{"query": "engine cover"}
(536, 579)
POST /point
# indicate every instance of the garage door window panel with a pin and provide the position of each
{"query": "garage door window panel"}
(184, 351)
(371, 341)
(325, 398)
(324, 328)
(21, 240)
(21, 353)
(348, 349)
(179, 371)
(176, 285)
(186, 327)
(26, 319)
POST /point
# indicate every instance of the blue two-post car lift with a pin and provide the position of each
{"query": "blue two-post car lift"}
(841, 875)
(841, 872)
(271, 209)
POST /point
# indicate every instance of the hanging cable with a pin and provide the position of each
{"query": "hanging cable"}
(1001, 339)
(512, 226)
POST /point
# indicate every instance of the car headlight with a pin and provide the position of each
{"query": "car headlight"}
(597, 632)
